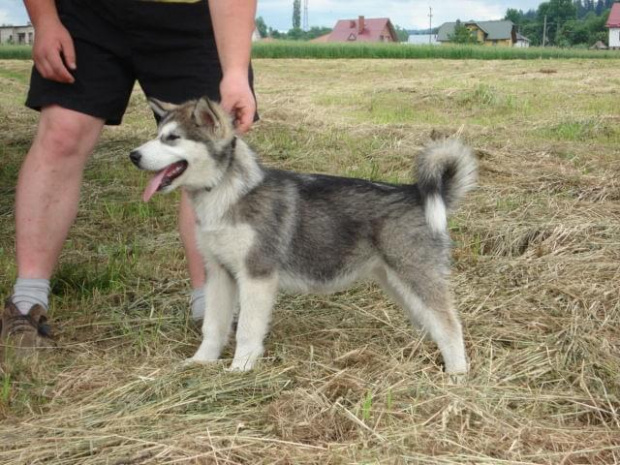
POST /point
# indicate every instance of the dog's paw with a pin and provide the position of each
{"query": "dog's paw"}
(198, 361)
(240, 366)
(457, 379)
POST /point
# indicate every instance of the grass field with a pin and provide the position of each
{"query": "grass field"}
(297, 49)
(345, 379)
(15, 52)
(300, 49)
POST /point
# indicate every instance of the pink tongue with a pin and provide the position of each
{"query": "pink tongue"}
(153, 185)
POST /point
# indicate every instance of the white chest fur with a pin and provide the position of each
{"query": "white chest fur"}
(228, 244)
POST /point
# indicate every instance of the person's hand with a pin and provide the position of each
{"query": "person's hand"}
(238, 100)
(53, 52)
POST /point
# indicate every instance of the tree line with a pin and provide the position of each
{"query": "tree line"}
(569, 23)
(296, 32)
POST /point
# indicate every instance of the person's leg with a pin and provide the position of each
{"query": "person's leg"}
(187, 229)
(72, 117)
(48, 187)
(46, 204)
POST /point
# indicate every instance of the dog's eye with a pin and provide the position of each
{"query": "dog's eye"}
(171, 137)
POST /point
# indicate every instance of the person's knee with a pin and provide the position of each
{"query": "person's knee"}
(66, 134)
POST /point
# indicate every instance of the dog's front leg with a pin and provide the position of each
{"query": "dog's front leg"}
(220, 302)
(256, 298)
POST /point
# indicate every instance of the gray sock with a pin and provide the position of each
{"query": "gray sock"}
(197, 301)
(30, 292)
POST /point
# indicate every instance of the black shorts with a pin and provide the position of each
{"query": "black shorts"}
(169, 48)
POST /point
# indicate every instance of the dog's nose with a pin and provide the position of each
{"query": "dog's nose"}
(135, 157)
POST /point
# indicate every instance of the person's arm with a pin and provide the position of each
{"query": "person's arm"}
(53, 49)
(233, 24)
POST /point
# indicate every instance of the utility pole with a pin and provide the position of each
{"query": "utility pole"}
(430, 25)
(545, 32)
(306, 27)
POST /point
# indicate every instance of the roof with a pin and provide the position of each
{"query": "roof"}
(522, 37)
(346, 30)
(614, 16)
(495, 30)
(24, 26)
(600, 45)
(320, 39)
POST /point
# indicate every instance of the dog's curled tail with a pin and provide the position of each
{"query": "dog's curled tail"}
(447, 170)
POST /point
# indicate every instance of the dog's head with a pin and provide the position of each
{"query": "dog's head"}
(194, 146)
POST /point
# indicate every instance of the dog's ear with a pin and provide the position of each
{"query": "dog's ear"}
(205, 114)
(161, 108)
(211, 116)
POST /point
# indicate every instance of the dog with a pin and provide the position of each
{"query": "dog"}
(261, 229)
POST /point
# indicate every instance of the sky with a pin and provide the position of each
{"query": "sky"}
(410, 14)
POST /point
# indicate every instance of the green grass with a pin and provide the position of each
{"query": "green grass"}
(292, 49)
(583, 130)
(15, 52)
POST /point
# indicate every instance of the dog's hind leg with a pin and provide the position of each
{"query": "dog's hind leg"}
(220, 302)
(256, 298)
(431, 309)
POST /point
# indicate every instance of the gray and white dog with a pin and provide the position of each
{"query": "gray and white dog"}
(262, 229)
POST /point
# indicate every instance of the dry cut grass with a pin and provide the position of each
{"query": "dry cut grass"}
(345, 378)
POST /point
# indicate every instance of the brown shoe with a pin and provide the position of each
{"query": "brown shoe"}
(24, 333)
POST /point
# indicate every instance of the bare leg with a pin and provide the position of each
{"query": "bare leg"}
(435, 314)
(187, 229)
(221, 299)
(256, 299)
(48, 188)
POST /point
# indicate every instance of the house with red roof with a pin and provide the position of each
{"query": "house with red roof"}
(362, 30)
(613, 23)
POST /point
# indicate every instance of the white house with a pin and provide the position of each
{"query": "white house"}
(20, 35)
(614, 26)
(423, 39)
(522, 41)
(256, 35)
